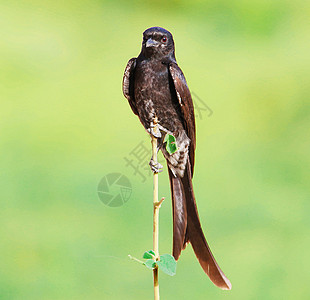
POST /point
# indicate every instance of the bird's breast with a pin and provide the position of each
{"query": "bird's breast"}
(153, 95)
(151, 77)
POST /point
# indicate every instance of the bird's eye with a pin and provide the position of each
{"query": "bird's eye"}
(164, 39)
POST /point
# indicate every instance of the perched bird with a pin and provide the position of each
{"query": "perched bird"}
(155, 86)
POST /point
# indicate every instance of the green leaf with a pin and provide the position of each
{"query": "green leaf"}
(171, 145)
(167, 264)
(148, 254)
(150, 263)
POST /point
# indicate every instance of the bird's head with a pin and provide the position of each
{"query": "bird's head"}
(157, 43)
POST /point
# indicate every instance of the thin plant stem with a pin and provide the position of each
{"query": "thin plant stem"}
(156, 206)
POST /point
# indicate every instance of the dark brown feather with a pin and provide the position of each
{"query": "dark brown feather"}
(196, 237)
(179, 214)
(187, 213)
(128, 84)
(187, 108)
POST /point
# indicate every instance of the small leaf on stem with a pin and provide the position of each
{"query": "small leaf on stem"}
(167, 264)
(150, 263)
(149, 254)
(171, 145)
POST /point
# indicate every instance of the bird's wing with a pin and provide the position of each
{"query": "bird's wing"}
(187, 107)
(128, 83)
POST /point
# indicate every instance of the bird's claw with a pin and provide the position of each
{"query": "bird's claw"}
(164, 129)
(156, 167)
(159, 129)
(151, 130)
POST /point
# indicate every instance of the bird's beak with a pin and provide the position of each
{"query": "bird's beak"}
(151, 43)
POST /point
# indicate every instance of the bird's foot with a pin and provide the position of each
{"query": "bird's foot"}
(156, 167)
(164, 129)
(155, 132)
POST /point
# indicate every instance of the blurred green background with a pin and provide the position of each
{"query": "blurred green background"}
(65, 124)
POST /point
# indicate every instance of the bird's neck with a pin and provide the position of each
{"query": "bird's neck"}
(166, 59)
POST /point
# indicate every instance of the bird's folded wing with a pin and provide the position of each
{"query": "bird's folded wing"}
(187, 108)
(128, 83)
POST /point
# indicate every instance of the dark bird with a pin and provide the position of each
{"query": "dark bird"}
(154, 85)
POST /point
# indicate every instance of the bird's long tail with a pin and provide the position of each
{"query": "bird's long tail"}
(187, 228)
